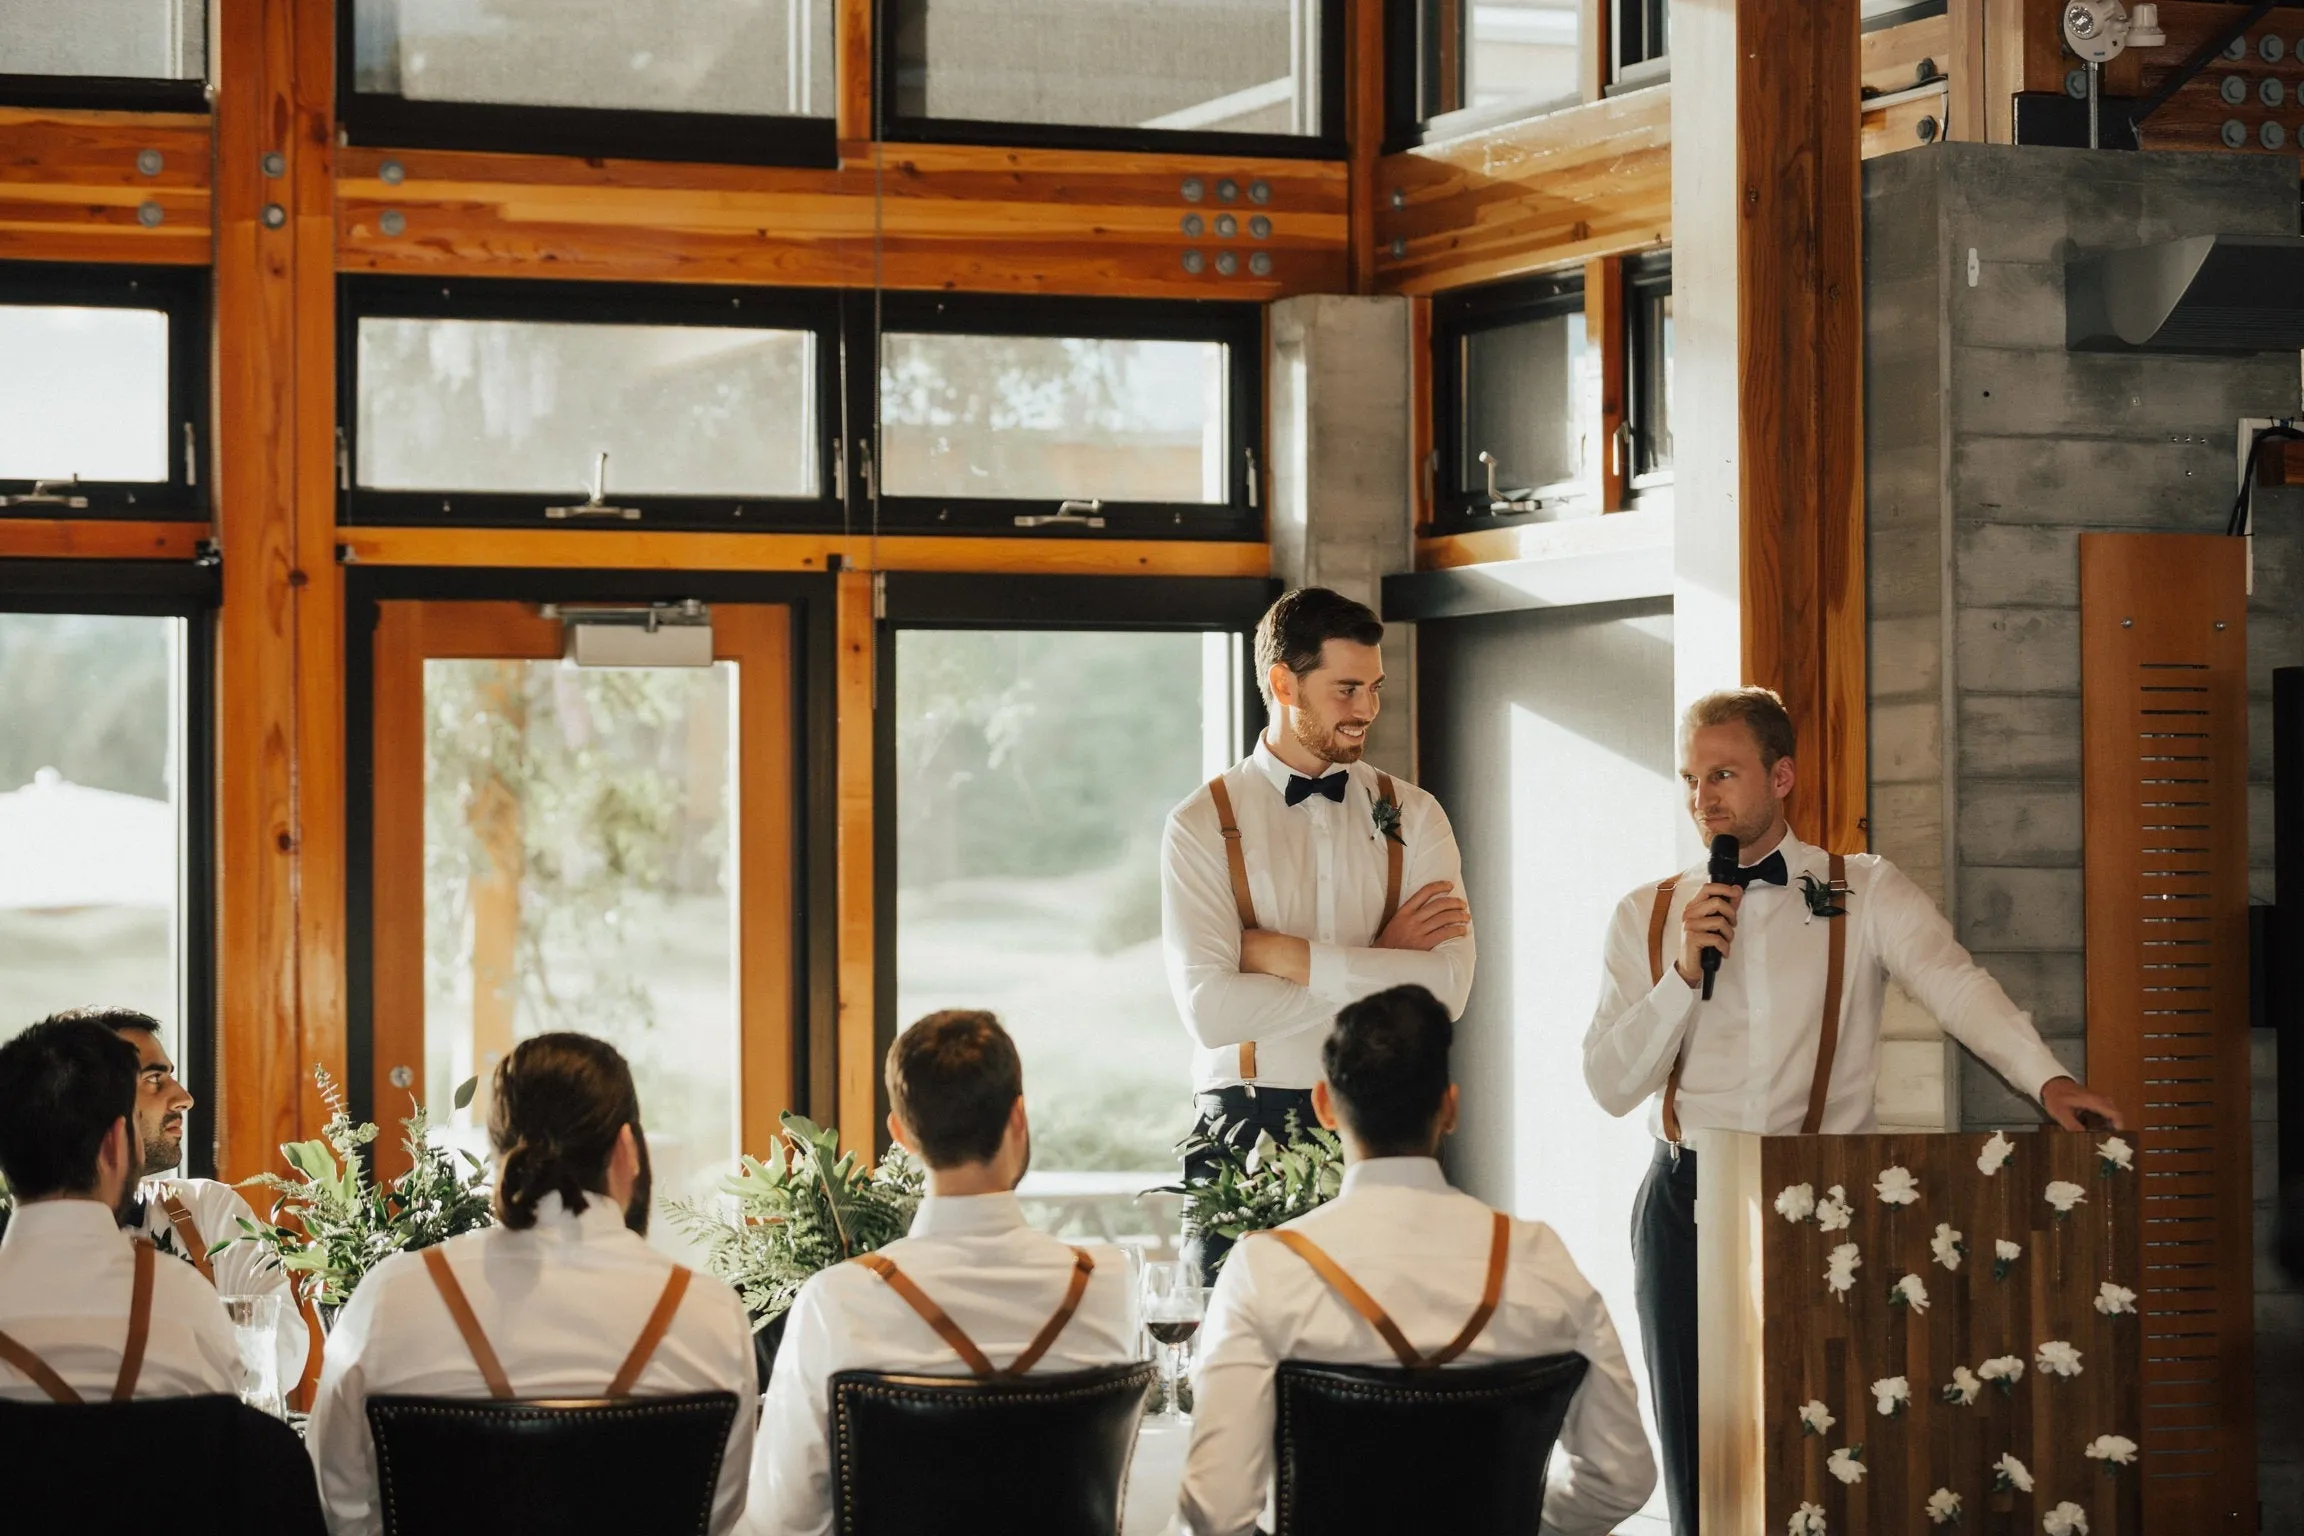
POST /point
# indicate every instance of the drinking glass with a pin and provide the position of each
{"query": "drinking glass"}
(1174, 1303)
(256, 1330)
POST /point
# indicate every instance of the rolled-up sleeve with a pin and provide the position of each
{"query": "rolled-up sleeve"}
(1342, 973)
(1200, 939)
(1639, 1024)
(1228, 1468)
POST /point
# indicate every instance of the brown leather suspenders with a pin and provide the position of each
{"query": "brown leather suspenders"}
(131, 1354)
(1236, 863)
(1827, 1037)
(195, 1246)
(952, 1333)
(1499, 1250)
(484, 1354)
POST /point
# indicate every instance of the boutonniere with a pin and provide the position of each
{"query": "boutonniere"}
(1384, 811)
(1823, 900)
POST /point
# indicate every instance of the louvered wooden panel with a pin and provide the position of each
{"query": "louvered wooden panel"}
(2164, 717)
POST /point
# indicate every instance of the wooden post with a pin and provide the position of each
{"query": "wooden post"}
(1768, 242)
(855, 623)
(1363, 130)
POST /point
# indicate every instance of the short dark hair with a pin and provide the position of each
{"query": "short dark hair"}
(1295, 629)
(1387, 1067)
(557, 1103)
(114, 1019)
(1760, 709)
(953, 1079)
(64, 1083)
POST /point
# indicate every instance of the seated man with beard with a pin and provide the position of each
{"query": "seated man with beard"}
(563, 1299)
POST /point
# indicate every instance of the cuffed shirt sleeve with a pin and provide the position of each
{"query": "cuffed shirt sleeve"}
(1606, 1470)
(1639, 1025)
(1200, 938)
(1228, 1467)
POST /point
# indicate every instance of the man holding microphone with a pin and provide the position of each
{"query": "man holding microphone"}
(1782, 1037)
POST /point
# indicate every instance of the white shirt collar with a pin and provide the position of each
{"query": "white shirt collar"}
(967, 1215)
(1267, 762)
(601, 1219)
(46, 1221)
(1394, 1173)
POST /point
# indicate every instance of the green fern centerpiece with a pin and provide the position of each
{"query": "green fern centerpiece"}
(807, 1207)
(1263, 1186)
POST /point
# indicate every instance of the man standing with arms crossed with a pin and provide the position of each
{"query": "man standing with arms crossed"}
(1301, 879)
(1788, 1043)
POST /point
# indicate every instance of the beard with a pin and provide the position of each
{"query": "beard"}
(162, 1153)
(643, 1187)
(1322, 742)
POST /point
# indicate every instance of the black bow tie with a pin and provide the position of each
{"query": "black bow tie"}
(1301, 788)
(1769, 871)
(132, 1218)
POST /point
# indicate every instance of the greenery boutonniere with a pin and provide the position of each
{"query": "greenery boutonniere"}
(1823, 900)
(1384, 811)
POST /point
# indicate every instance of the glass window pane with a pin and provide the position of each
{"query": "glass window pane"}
(91, 816)
(1523, 393)
(579, 870)
(133, 39)
(1522, 50)
(525, 406)
(1028, 876)
(1049, 417)
(86, 393)
(1237, 66)
(763, 57)
(1656, 384)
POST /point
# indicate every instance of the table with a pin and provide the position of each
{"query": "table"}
(1155, 1478)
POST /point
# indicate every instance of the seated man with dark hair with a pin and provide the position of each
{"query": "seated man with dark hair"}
(88, 1312)
(1021, 1301)
(563, 1299)
(1423, 1254)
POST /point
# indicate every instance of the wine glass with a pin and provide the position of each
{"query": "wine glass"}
(1174, 1303)
(255, 1330)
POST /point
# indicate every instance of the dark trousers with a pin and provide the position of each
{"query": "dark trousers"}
(1243, 1116)
(1664, 1283)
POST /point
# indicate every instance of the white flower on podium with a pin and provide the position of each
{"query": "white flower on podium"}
(1947, 1245)
(2112, 1300)
(1896, 1186)
(1996, 1151)
(1807, 1520)
(2115, 1155)
(1963, 1388)
(1890, 1394)
(2010, 1474)
(1847, 1464)
(2058, 1358)
(1815, 1418)
(2003, 1371)
(2066, 1519)
(1796, 1202)
(2063, 1196)
(1911, 1291)
(2004, 1257)
(2113, 1450)
(1943, 1507)
(1840, 1274)
(1832, 1211)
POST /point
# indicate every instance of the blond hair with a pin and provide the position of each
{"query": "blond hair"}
(1759, 710)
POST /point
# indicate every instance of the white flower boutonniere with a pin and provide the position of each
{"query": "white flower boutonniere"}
(1832, 1212)
(1996, 1152)
(1384, 813)
(1796, 1202)
(2066, 1519)
(1840, 1273)
(2058, 1358)
(1943, 1507)
(1963, 1387)
(2115, 1155)
(2064, 1195)
(1911, 1292)
(2115, 1451)
(2003, 1371)
(1807, 1520)
(1815, 1418)
(1847, 1464)
(1890, 1395)
(1948, 1246)
(2113, 1300)
(2009, 1474)
(1896, 1186)
(2004, 1257)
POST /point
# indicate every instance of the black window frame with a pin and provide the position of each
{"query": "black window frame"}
(817, 310)
(102, 93)
(1639, 34)
(182, 293)
(1240, 326)
(382, 120)
(1457, 316)
(893, 124)
(191, 591)
(1405, 126)
(1645, 277)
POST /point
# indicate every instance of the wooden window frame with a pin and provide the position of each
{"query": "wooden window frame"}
(181, 293)
(1645, 277)
(721, 138)
(1456, 316)
(1405, 55)
(1329, 143)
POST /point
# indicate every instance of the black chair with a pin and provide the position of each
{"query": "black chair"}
(1378, 1449)
(75, 1467)
(628, 1466)
(955, 1456)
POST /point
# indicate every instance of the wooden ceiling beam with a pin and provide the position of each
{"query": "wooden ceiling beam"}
(85, 186)
(613, 549)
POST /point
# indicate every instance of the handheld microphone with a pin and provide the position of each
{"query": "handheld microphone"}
(1722, 872)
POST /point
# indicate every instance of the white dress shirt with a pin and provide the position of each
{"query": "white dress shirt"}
(1420, 1249)
(993, 1275)
(242, 1269)
(1317, 872)
(66, 1275)
(561, 1304)
(1751, 1050)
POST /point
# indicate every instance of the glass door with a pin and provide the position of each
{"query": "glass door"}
(582, 822)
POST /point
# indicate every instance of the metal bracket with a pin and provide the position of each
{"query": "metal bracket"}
(49, 493)
(595, 505)
(1506, 501)
(1071, 514)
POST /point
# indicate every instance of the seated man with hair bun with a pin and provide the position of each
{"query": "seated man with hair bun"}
(562, 1297)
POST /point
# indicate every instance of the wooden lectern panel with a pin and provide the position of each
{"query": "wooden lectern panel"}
(2164, 764)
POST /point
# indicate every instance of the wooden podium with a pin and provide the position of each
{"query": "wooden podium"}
(1776, 1336)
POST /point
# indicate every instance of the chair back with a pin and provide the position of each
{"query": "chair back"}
(61, 1466)
(958, 1456)
(631, 1466)
(1379, 1449)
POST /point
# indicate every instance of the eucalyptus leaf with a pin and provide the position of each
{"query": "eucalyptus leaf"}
(462, 1098)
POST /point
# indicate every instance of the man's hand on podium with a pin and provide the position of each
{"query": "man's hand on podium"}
(2066, 1101)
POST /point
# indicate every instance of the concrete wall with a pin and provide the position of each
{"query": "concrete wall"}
(1989, 450)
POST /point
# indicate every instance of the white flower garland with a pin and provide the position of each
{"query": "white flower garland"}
(1947, 1245)
(2113, 1300)
(2058, 1358)
(1996, 1152)
(1943, 1507)
(1796, 1202)
(1897, 1186)
(2066, 1519)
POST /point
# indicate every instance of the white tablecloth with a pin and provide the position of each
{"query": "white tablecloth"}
(1155, 1478)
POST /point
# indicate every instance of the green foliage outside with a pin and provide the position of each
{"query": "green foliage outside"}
(86, 695)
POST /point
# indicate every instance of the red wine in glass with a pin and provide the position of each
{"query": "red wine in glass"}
(1173, 1331)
